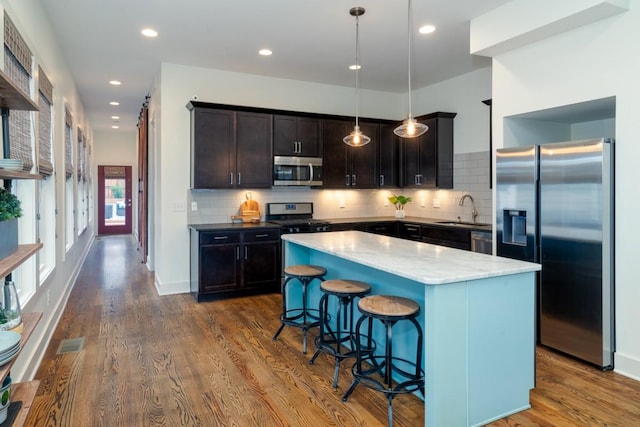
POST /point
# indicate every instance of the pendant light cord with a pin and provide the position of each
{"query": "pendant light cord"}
(409, 25)
(357, 66)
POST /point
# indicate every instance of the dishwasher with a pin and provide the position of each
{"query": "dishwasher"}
(482, 241)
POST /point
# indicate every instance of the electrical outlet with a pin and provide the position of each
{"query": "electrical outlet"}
(194, 206)
(179, 206)
(342, 204)
(436, 203)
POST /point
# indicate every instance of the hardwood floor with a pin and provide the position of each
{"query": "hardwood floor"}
(169, 361)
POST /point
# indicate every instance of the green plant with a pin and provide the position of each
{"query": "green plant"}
(400, 201)
(117, 191)
(9, 206)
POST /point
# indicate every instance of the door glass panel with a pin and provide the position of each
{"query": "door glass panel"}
(114, 196)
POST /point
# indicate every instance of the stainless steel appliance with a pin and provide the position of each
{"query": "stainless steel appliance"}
(554, 206)
(290, 171)
(482, 242)
(295, 218)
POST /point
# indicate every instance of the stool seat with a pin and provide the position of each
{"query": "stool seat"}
(388, 305)
(344, 286)
(304, 270)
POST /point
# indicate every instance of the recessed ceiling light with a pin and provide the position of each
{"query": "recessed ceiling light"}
(115, 127)
(149, 32)
(115, 82)
(265, 52)
(115, 117)
(355, 67)
(427, 29)
(114, 103)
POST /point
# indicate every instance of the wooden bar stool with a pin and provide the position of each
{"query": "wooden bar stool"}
(304, 317)
(339, 341)
(409, 376)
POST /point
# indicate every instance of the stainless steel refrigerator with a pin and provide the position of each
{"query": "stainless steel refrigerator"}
(554, 206)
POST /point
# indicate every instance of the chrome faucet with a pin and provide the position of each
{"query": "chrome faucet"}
(474, 212)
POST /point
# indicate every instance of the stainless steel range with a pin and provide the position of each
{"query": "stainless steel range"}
(295, 218)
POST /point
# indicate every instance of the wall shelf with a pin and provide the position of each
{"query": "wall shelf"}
(8, 264)
(13, 174)
(21, 392)
(12, 97)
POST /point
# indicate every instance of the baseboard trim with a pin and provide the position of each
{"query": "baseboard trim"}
(627, 365)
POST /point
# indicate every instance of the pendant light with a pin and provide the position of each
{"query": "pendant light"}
(410, 128)
(357, 138)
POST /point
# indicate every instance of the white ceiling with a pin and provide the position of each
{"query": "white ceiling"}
(311, 40)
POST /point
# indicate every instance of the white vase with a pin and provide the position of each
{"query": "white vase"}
(399, 213)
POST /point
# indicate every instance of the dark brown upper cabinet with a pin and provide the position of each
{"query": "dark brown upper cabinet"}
(296, 136)
(427, 161)
(230, 149)
(345, 166)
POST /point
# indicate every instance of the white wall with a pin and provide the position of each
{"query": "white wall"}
(177, 84)
(593, 62)
(50, 298)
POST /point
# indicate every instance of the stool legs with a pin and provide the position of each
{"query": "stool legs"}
(299, 317)
(414, 380)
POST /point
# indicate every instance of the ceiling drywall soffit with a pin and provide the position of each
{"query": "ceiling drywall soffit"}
(522, 22)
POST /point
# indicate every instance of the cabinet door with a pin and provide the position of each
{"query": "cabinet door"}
(410, 162)
(388, 158)
(410, 231)
(262, 265)
(384, 228)
(308, 130)
(285, 136)
(296, 136)
(334, 163)
(219, 267)
(429, 155)
(212, 148)
(254, 158)
(362, 161)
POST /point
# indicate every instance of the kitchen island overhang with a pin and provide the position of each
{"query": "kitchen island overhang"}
(477, 314)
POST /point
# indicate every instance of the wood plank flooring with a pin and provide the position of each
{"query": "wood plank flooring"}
(169, 361)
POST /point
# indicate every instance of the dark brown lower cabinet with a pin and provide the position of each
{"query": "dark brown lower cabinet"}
(232, 263)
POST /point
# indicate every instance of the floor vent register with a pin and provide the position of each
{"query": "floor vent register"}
(71, 345)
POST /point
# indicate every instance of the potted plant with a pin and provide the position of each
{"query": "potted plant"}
(399, 202)
(10, 211)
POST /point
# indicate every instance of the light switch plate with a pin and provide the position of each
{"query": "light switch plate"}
(436, 203)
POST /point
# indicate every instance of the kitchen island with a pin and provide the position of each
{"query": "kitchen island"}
(477, 314)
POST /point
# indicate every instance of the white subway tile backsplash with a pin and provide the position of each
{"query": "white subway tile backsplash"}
(471, 176)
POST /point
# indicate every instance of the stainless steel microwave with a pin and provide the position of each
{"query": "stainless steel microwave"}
(297, 171)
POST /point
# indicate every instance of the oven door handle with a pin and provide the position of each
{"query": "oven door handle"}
(310, 173)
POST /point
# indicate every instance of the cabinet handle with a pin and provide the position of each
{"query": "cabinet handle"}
(353, 180)
(220, 237)
(299, 147)
(262, 235)
(239, 178)
(310, 173)
(347, 180)
(245, 253)
(237, 252)
(295, 147)
(231, 178)
(381, 180)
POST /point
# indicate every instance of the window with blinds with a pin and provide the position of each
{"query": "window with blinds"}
(45, 139)
(79, 161)
(18, 62)
(68, 144)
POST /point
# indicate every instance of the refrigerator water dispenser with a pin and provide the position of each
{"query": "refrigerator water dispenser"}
(515, 227)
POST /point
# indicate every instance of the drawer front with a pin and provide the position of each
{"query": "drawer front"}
(263, 235)
(219, 237)
(410, 231)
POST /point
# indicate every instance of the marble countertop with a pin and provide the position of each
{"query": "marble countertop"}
(421, 262)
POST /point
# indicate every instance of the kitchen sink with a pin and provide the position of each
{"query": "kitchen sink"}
(478, 224)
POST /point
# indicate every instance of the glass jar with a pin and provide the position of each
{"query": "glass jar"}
(10, 312)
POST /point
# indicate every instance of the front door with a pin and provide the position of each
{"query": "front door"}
(114, 200)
